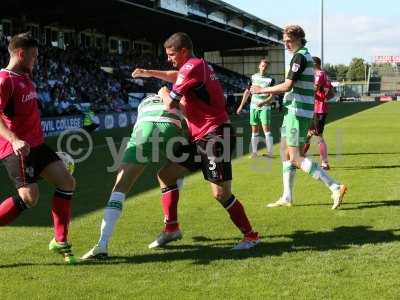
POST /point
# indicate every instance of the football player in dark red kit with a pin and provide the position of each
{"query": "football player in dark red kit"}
(197, 90)
(22, 148)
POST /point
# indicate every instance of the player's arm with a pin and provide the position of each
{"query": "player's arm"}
(319, 85)
(187, 80)
(320, 89)
(270, 97)
(297, 67)
(20, 147)
(283, 87)
(169, 103)
(169, 76)
(266, 101)
(245, 97)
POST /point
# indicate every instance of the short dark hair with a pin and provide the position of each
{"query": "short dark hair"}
(178, 41)
(22, 41)
(317, 60)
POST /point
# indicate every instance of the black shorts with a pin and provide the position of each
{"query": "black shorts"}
(319, 123)
(27, 170)
(212, 154)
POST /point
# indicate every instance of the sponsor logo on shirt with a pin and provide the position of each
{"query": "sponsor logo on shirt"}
(295, 67)
(29, 97)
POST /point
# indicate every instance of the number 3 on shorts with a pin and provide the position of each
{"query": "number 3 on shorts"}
(212, 165)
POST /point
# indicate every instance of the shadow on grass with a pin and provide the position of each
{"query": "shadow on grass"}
(372, 204)
(316, 204)
(359, 205)
(357, 153)
(366, 167)
(340, 238)
(94, 183)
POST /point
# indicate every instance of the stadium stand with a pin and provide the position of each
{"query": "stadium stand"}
(87, 55)
(66, 78)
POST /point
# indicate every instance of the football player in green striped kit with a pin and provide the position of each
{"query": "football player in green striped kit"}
(156, 129)
(260, 109)
(299, 109)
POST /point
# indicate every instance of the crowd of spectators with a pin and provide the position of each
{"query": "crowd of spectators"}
(67, 78)
(233, 82)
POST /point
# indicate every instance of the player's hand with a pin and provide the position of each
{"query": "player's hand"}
(260, 103)
(239, 110)
(163, 92)
(311, 132)
(140, 73)
(255, 89)
(20, 147)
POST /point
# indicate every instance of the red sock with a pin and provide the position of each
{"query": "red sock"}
(61, 212)
(10, 209)
(169, 202)
(238, 215)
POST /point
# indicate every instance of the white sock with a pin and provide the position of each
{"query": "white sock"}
(111, 215)
(289, 171)
(315, 171)
(269, 141)
(254, 142)
(282, 150)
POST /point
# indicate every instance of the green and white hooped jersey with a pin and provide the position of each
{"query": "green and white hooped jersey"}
(300, 100)
(263, 81)
(152, 109)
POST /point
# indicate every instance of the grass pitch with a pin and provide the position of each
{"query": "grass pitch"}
(308, 251)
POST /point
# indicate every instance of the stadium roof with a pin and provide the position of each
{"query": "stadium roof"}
(212, 24)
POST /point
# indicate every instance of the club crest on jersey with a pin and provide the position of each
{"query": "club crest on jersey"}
(188, 67)
(22, 85)
(295, 67)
